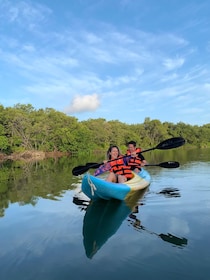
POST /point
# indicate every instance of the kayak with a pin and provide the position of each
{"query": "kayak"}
(96, 187)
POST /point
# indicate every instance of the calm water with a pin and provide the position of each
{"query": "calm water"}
(48, 231)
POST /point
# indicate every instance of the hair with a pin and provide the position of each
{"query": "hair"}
(132, 143)
(110, 149)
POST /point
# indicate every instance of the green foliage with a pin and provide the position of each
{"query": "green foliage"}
(4, 144)
(24, 128)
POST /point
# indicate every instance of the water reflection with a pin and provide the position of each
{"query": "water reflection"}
(46, 241)
(170, 192)
(175, 240)
(103, 218)
(25, 182)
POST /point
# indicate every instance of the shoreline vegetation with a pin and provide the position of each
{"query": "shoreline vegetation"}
(41, 155)
(32, 155)
(26, 133)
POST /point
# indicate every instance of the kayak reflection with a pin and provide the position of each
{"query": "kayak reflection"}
(103, 218)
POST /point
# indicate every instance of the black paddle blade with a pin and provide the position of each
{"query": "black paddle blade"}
(171, 143)
(169, 164)
(78, 170)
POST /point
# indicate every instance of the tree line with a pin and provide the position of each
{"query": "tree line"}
(24, 128)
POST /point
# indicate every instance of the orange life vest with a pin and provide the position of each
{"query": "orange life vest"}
(134, 162)
(118, 167)
(137, 150)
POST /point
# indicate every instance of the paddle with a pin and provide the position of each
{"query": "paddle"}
(171, 143)
(167, 164)
(83, 168)
(165, 145)
(78, 170)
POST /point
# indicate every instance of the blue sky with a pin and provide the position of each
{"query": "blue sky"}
(115, 59)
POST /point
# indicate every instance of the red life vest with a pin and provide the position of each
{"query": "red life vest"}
(134, 162)
(118, 167)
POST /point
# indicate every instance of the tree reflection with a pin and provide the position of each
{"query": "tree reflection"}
(24, 182)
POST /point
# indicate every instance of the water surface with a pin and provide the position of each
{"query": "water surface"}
(48, 230)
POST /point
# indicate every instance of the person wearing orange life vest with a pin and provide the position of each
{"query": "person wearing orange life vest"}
(136, 159)
(120, 172)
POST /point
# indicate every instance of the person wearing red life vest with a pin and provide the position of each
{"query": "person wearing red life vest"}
(136, 160)
(120, 172)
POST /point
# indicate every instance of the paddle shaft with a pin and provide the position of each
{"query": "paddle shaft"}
(81, 169)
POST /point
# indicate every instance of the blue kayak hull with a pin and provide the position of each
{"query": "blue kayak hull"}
(97, 188)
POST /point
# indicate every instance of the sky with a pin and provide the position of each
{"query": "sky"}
(123, 60)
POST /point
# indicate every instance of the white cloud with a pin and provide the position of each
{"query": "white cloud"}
(207, 86)
(84, 103)
(172, 64)
(23, 13)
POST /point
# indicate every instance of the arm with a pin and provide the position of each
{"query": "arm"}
(103, 168)
(143, 161)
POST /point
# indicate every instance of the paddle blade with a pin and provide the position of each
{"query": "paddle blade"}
(171, 143)
(78, 170)
(169, 164)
